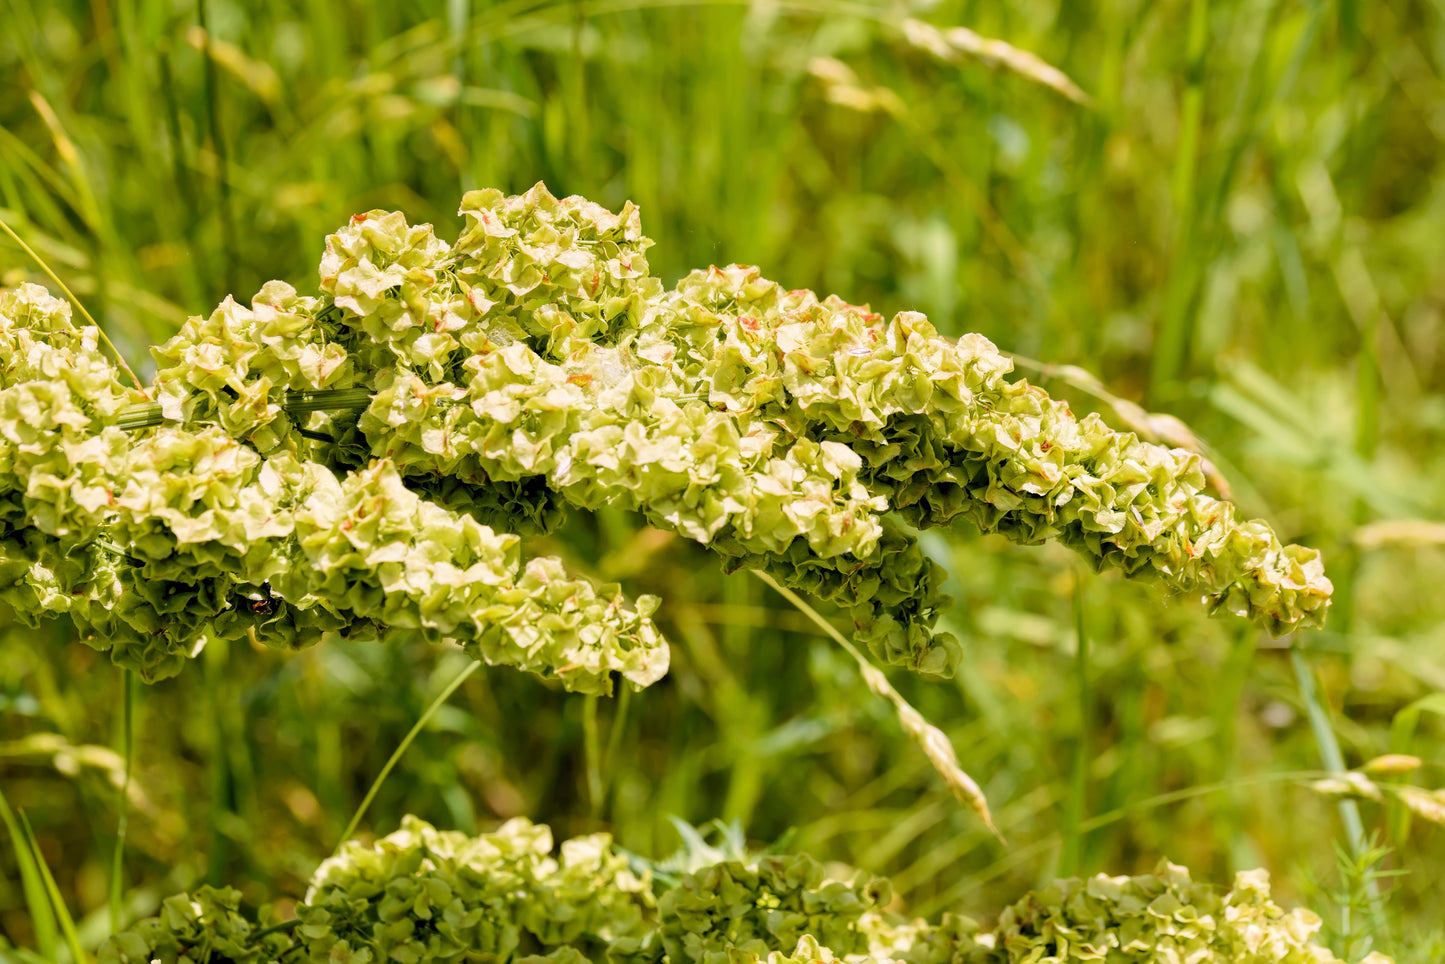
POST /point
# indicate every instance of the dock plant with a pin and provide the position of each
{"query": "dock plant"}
(370, 461)
(366, 461)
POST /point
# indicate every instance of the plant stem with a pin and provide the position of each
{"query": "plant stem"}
(214, 681)
(1329, 747)
(426, 715)
(327, 400)
(929, 738)
(1334, 762)
(615, 732)
(218, 144)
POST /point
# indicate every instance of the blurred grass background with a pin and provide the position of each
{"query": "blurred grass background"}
(1243, 226)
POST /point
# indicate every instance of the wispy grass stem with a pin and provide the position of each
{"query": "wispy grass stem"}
(401, 749)
(1070, 857)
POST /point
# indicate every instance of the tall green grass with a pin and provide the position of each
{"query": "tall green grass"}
(1242, 229)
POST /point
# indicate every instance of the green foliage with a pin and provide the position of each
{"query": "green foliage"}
(764, 906)
(421, 895)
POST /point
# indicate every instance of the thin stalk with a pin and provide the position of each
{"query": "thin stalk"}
(282, 927)
(214, 678)
(1069, 856)
(37, 901)
(929, 738)
(119, 358)
(57, 900)
(592, 752)
(1329, 746)
(615, 733)
(326, 400)
(148, 415)
(183, 163)
(137, 417)
(1171, 348)
(406, 741)
(1334, 762)
(117, 865)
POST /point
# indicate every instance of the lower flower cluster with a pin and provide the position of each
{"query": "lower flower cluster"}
(156, 541)
(422, 895)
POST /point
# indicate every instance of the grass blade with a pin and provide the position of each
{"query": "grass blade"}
(1329, 747)
(430, 711)
(57, 902)
(42, 918)
(929, 738)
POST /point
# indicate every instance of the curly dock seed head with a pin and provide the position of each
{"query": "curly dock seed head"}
(356, 461)
(422, 894)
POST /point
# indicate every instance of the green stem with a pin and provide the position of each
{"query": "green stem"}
(1334, 762)
(430, 711)
(615, 732)
(1171, 349)
(57, 900)
(592, 751)
(149, 414)
(216, 686)
(326, 400)
(218, 144)
(1329, 747)
(120, 359)
(284, 926)
(1069, 857)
